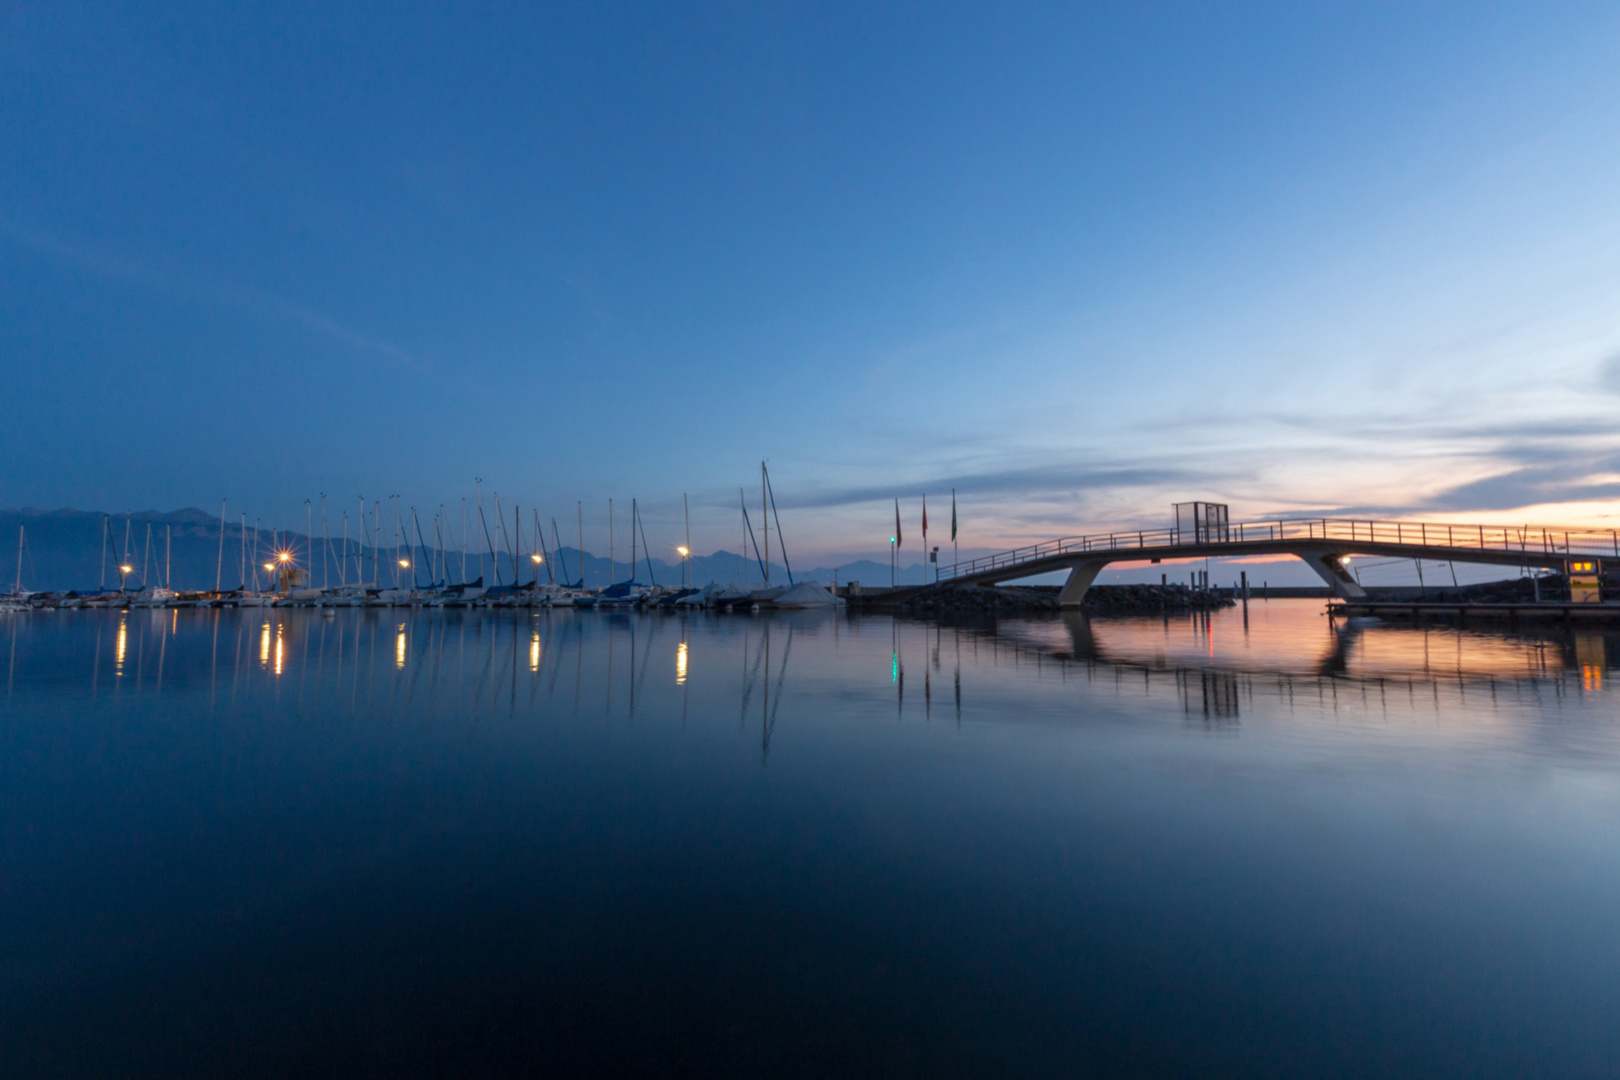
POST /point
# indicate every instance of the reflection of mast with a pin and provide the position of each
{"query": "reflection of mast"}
(753, 676)
(769, 724)
(956, 635)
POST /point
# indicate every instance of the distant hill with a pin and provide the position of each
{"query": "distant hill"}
(82, 549)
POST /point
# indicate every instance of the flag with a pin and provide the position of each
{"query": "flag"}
(925, 522)
(953, 515)
(897, 523)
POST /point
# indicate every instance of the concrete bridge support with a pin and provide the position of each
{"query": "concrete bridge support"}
(1330, 569)
(1080, 579)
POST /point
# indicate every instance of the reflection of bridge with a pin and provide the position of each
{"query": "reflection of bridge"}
(1323, 544)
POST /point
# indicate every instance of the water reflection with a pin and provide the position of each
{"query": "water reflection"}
(1210, 666)
(1178, 826)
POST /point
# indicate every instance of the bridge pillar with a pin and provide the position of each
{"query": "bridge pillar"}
(1080, 579)
(1328, 567)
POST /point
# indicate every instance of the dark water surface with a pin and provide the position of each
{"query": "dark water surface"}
(392, 843)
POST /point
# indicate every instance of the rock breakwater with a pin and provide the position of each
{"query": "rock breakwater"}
(1099, 599)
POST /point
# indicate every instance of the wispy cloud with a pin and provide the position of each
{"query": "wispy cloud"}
(1051, 479)
(1609, 374)
(1571, 480)
(267, 305)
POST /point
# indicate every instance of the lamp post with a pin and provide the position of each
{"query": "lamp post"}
(891, 562)
(684, 552)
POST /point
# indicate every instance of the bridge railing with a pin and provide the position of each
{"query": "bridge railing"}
(1541, 541)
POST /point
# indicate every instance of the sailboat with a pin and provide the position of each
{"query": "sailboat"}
(17, 600)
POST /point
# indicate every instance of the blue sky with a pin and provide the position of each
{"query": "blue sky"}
(1076, 262)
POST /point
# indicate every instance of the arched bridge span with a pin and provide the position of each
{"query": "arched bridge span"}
(1321, 543)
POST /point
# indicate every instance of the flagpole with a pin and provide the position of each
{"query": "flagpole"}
(894, 548)
(956, 556)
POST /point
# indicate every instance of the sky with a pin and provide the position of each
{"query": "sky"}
(1075, 262)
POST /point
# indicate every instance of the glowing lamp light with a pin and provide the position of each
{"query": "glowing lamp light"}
(269, 566)
(404, 562)
(536, 558)
(286, 556)
(1344, 560)
(683, 552)
(127, 569)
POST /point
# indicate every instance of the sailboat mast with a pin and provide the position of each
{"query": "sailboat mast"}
(686, 581)
(393, 556)
(612, 573)
(343, 555)
(417, 525)
(168, 556)
(780, 541)
(444, 556)
(505, 539)
(634, 517)
(326, 543)
(581, 507)
(478, 497)
(360, 546)
(765, 518)
(545, 556)
(646, 553)
(556, 538)
(219, 568)
(106, 530)
(464, 539)
(18, 587)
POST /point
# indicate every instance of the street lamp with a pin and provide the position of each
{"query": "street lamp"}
(684, 552)
(892, 550)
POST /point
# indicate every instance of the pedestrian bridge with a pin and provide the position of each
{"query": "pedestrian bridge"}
(1323, 544)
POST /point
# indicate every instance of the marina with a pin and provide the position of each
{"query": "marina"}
(810, 540)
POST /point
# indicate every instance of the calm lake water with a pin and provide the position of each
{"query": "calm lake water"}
(396, 843)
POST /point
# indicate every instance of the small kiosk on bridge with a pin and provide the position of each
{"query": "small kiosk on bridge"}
(1202, 523)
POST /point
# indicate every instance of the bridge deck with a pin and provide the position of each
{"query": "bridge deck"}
(1502, 545)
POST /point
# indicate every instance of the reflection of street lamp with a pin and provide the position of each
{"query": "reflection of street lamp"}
(684, 552)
